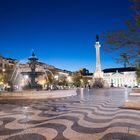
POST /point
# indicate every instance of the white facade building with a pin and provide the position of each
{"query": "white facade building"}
(120, 77)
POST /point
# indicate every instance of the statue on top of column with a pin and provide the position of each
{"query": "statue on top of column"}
(97, 38)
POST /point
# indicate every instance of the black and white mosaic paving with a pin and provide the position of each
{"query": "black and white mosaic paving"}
(91, 115)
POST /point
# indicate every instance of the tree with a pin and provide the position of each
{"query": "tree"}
(84, 81)
(50, 79)
(84, 71)
(123, 59)
(63, 82)
(126, 41)
(79, 80)
(76, 77)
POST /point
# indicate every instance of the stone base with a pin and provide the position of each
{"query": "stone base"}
(98, 83)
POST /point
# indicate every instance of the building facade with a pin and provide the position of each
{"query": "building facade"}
(7, 66)
(120, 77)
(10, 70)
(7, 63)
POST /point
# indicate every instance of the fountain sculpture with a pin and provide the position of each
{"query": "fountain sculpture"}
(33, 74)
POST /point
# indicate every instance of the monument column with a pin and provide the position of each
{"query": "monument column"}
(98, 73)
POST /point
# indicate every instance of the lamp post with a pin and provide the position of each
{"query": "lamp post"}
(56, 77)
(3, 77)
(69, 79)
(3, 74)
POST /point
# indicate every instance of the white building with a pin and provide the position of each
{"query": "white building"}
(113, 77)
(120, 77)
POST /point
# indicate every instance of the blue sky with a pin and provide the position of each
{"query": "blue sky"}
(62, 32)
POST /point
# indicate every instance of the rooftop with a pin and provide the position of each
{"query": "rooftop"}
(119, 69)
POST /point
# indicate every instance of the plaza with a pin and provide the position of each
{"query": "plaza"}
(93, 114)
(69, 70)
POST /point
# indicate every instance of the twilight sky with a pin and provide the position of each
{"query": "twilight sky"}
(62, 32)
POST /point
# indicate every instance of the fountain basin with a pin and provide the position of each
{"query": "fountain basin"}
(37, 94)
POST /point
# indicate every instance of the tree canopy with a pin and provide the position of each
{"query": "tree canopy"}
(126, 41)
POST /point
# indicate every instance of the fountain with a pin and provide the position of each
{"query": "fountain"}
(33, 74)
(27, 72)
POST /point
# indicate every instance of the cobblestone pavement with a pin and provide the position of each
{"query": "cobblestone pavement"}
(91, 115)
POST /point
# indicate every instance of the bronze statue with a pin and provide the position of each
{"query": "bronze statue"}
(97, 38)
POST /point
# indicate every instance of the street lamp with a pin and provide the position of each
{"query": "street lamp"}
(56, 77)
(2, 81)
(69, 79)
(82, 82)
(3, 71)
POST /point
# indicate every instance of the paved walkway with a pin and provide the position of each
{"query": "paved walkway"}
(91, 115)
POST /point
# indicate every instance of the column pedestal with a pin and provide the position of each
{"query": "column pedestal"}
(98, 80)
